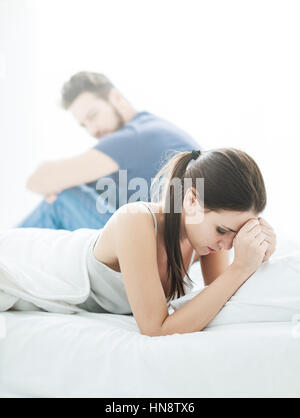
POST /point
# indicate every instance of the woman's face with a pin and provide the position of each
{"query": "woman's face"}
(207, 230)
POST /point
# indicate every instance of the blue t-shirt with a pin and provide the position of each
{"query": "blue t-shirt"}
(142, 146)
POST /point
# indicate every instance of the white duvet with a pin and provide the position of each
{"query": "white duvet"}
(45, 268)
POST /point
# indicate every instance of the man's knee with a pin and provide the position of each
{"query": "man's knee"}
(66, 195)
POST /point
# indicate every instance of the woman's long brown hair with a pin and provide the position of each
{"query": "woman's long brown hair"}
(232, 181)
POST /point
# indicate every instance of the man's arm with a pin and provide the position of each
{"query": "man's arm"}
(54, 176)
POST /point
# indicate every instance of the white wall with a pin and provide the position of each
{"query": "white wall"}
(17, 109)
(226, 71)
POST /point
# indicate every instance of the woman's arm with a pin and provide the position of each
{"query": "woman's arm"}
(196, 314)
(134, 241)
(213, 265)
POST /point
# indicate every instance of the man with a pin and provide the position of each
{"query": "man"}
(129, 142)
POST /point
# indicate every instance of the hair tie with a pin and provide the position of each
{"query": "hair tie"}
(195, 154)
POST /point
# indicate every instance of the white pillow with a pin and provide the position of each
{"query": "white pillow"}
(272, 293)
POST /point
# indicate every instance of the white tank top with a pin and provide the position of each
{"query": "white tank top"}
(108, 294)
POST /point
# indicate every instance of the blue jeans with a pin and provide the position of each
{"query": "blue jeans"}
(73, 208)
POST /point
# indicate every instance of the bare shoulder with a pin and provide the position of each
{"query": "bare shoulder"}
(130, 226)
(134, 208)
(134, 219)
(134, 234)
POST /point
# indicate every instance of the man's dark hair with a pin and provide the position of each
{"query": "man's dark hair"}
(85, 81)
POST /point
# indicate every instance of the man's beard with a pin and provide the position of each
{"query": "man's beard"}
(119, 117)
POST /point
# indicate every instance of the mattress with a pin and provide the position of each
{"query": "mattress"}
(104, 355)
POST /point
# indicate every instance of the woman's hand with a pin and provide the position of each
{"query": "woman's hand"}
(270, 238)
(250, 246)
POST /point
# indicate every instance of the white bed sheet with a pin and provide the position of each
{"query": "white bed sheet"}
(104, 355)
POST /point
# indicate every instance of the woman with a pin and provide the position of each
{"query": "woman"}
(139, 261)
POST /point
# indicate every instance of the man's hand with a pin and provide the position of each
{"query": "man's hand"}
(270, 238)
(50, 198)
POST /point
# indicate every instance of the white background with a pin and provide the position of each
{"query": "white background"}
(228, 72)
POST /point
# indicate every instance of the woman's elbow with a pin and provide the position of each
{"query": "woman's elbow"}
(155, 328)
(151, 333)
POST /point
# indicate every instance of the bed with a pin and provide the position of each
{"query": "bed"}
(102, 355)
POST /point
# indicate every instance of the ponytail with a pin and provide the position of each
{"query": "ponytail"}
(174, 169)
